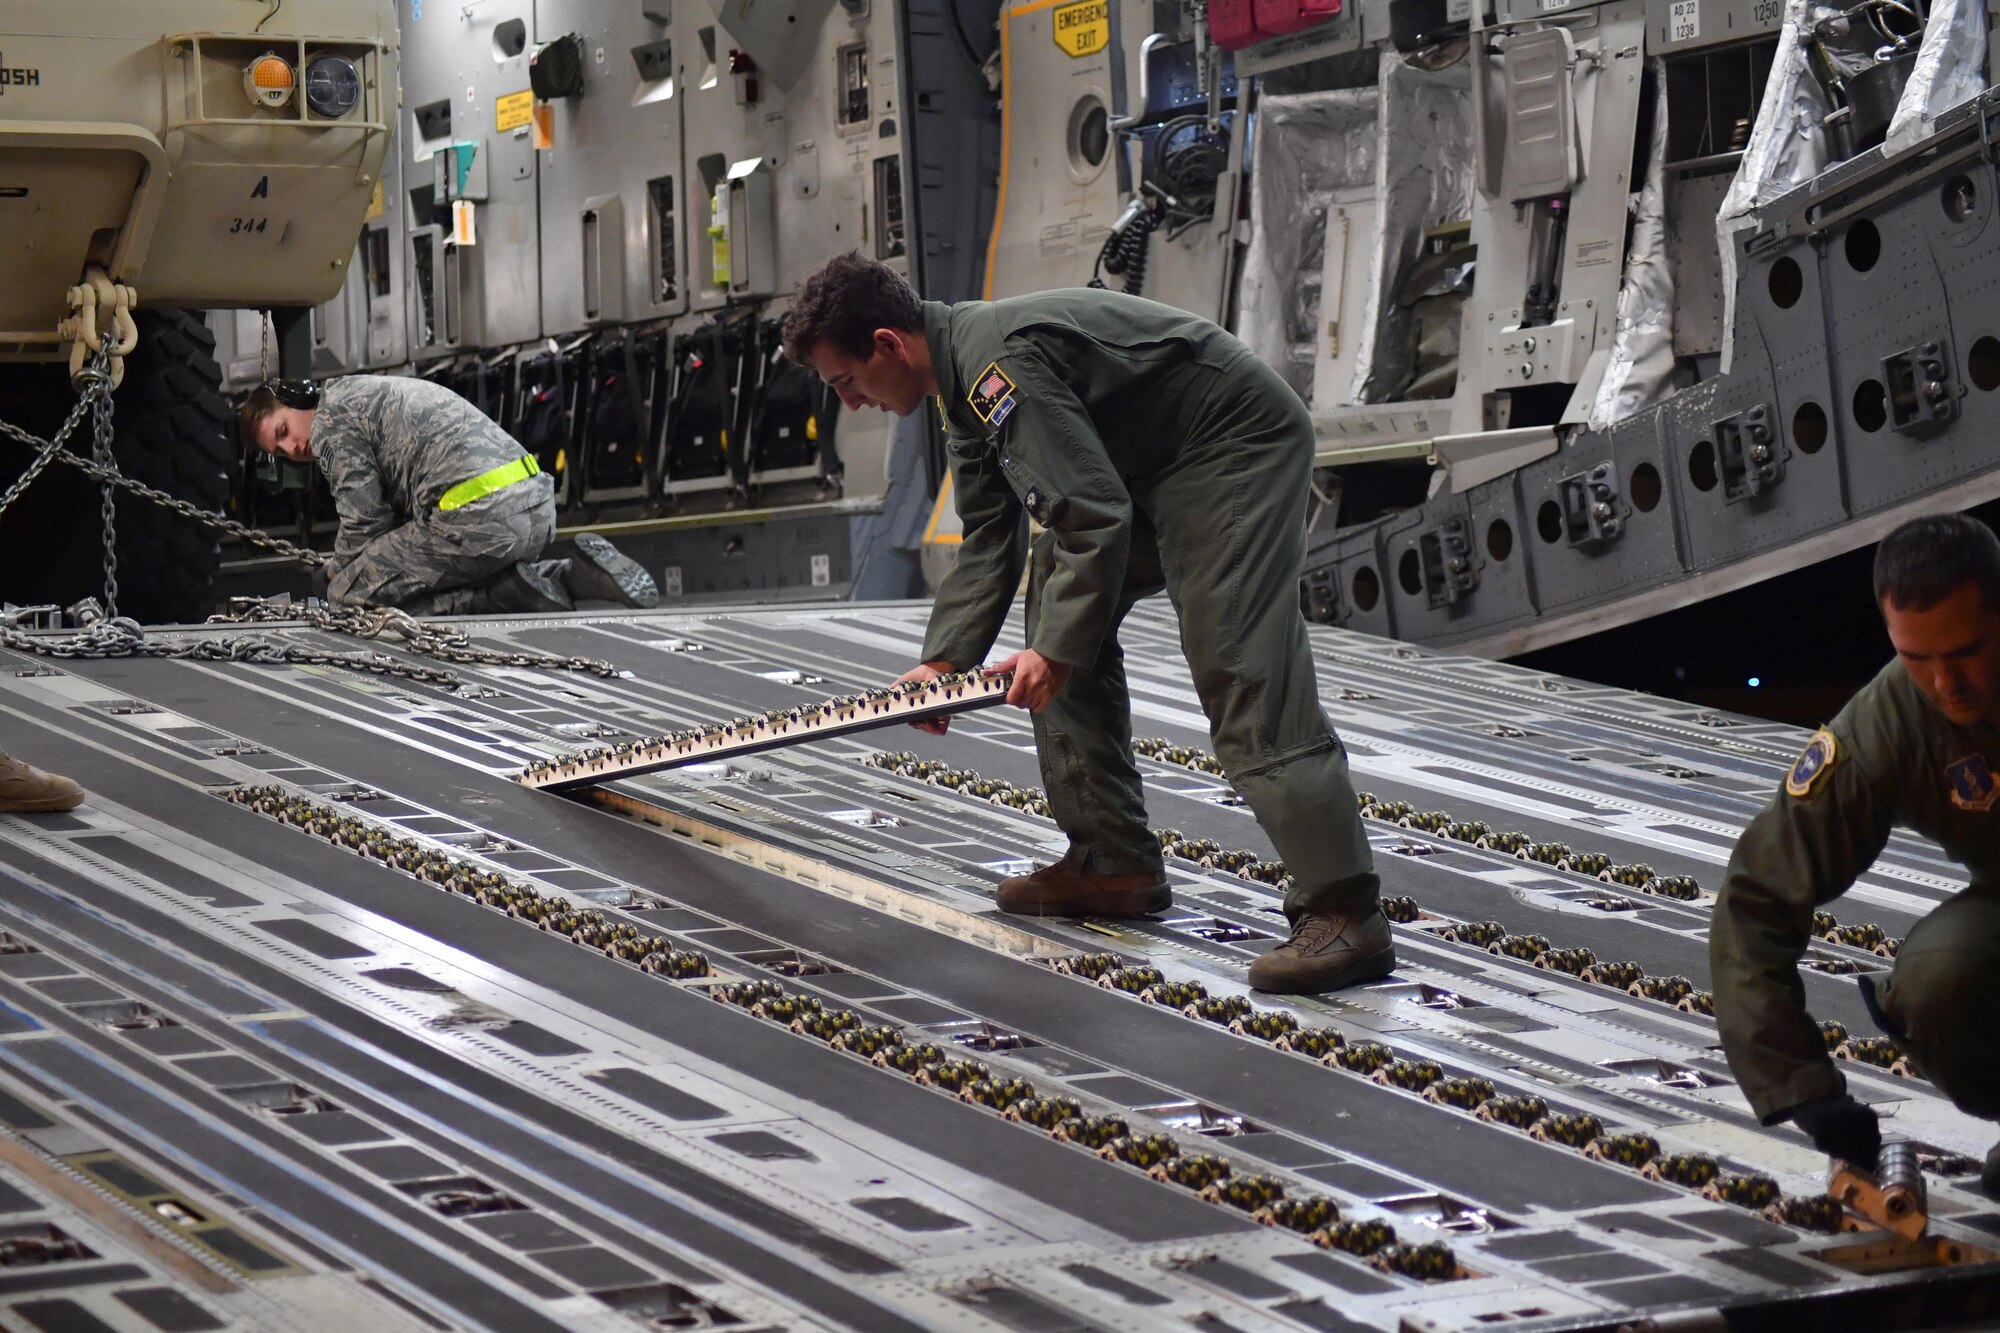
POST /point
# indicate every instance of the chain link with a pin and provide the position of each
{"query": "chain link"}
(428, 639)
(97, 383)
(195, 514)
(103, 468)
(121, 637)
(100, 411)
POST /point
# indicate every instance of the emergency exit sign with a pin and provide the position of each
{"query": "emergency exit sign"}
(1083, 29)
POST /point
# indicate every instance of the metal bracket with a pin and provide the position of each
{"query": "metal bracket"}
(47, 617)
(1482, 456)
(1894, 1198)
(85, 613)
(1445, 553)
(1593, 512)
(1923, 391)
(1319, 595)
(1750, 457)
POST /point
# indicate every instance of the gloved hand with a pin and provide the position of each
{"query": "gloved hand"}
(321, 575)
(1842, 1127)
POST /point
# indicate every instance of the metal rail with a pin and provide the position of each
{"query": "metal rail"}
(911, 701)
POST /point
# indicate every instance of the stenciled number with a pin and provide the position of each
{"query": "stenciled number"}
(246, 226)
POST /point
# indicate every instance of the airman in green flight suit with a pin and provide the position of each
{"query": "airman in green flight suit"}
(1156, 452)
(1917, 746)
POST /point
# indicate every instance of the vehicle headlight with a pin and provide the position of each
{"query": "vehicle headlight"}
(268, 81)
(333, 86)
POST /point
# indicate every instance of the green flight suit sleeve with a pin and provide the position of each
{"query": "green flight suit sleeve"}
(972, 600)
(1059, 465)
(1799, 853)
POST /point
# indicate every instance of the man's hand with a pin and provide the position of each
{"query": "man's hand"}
(1842, 1127)
(1037, 680)
(936, 726)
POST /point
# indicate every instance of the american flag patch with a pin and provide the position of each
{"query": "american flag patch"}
(992, 395)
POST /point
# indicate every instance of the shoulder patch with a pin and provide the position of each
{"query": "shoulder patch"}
(1972, 783)
(1812, 765)
(993, 395)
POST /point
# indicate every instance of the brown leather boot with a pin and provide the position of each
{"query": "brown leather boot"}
(1064, 890)
(29, 791)
(1328, 950)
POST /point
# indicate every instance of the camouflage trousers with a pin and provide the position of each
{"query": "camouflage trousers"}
(1222, 533)
(442, 563)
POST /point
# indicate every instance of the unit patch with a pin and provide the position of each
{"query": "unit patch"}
(993, 395)
(1972, 784)
(1811, 765)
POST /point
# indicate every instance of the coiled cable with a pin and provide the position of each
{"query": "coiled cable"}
(1124, 252)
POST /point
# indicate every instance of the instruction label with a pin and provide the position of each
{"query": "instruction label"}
(1684, 21)
(513, 111)
(1083, 29)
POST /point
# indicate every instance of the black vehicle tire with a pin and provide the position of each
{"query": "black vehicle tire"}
(171, 431)
(173, 434)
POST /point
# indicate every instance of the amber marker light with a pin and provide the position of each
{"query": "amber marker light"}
(269, 81)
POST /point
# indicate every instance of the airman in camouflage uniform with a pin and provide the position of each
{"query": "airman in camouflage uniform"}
(441, 511)
(1917, 747)
(1158, 454)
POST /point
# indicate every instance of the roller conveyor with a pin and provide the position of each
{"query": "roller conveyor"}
(314, 1015)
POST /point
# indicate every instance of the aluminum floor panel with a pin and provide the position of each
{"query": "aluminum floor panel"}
(619, 1147)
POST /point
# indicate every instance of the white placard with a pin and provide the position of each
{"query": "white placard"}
(1684, 21)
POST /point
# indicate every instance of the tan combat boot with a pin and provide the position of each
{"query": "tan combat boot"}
(1064, 890)
(29, 791)
(1328, 950)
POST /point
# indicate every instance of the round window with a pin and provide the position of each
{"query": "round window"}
(1089, 137)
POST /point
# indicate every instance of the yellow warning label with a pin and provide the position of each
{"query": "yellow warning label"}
(512, 111)
(374, 205)
(1083, 29)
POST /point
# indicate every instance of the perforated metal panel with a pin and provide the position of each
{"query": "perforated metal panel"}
(1862, 298)
(455, 57)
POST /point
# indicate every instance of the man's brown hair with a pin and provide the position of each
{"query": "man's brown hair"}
(1927, 559)
(844, 303)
